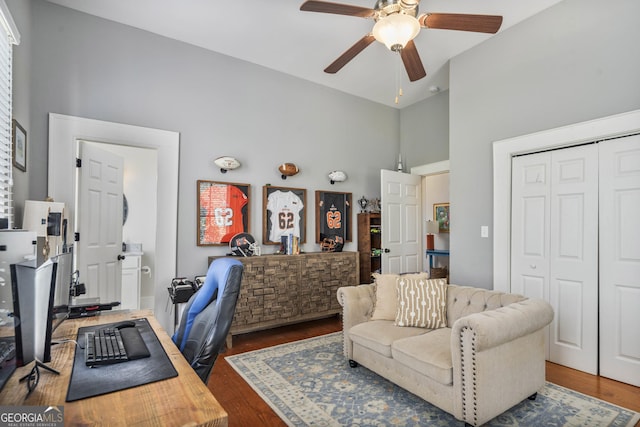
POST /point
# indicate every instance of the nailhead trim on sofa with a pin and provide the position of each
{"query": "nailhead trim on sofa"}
(468, 357)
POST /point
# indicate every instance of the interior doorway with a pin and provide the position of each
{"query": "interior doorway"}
(435, 190)
(64, 134)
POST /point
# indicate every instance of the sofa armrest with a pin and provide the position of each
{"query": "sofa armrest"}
(357, 307)
(495, 327)
(498, 358)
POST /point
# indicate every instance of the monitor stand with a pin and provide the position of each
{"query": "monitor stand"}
(33, 376)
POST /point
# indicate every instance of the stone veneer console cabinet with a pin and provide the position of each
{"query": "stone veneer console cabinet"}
(278, 290)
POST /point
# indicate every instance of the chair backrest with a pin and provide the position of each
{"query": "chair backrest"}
(207, 317)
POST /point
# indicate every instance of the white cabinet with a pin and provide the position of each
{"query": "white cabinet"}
(130, 294)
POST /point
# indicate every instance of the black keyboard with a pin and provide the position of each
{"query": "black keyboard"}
(7, 359)
(111, 345)
(7, 351)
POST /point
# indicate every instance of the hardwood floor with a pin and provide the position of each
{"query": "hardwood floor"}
(246, 408)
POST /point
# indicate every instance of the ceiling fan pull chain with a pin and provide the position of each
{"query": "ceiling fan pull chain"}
(398, 83)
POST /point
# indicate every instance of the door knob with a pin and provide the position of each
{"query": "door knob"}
(533, 266)
(121, 257)
(386, 251)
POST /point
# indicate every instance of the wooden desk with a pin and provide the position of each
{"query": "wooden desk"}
(436, 252)
(183, 400)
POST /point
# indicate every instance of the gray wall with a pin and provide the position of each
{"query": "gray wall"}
(424, 131)
(575, 61)
(89, 67)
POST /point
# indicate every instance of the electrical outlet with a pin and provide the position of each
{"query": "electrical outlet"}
(484, 231)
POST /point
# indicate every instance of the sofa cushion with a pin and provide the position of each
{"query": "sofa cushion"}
(428, 354)
(386, 300)
(422, 303)
(378, 335)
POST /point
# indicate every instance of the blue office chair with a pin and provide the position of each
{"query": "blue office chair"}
(207, 317)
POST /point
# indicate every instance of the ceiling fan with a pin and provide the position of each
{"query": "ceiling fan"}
(397, 24)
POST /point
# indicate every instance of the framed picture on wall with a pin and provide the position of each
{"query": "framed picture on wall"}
(333, 215)
(19, 144)
(223, 211)
(283, 213)
(442, 216)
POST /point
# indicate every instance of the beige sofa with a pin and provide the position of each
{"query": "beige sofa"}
(489, 356)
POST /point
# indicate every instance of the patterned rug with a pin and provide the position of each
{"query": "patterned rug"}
(309, 383)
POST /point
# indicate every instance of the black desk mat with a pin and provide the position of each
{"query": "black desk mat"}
(89, 382)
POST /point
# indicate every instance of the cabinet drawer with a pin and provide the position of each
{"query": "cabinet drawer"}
(131, 261)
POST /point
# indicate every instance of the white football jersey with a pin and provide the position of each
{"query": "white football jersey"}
(285, 207)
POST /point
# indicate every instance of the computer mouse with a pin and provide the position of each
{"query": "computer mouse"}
(123, 325)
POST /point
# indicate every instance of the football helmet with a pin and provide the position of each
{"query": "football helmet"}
(242, 244)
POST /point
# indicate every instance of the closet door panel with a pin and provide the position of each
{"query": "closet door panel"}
(530, 226)
(573, 271)
(620, 259)
(569, 314)
(530, 210)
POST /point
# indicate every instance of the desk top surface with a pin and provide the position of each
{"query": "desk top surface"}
(183, 400)
(437, 251)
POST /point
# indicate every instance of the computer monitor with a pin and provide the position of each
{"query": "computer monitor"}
(33, 294)
(62, 288)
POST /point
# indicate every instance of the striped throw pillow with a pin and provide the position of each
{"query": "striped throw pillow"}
(422, 303)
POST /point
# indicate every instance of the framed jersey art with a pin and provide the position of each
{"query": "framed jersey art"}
(223, 211)
(333, 215)
(283, 213)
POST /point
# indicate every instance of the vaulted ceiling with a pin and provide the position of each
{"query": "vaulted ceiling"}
(277, 35)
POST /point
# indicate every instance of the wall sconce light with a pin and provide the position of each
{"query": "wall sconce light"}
(337, 176)
(227, 163)
(288, 169)
(432, 228)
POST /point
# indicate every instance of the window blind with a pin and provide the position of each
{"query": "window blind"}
(8, 36)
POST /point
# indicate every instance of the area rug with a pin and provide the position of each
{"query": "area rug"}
(309, 383)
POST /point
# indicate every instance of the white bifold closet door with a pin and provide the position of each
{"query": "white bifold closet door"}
(620, 259)
(554, 253)
(576, 243)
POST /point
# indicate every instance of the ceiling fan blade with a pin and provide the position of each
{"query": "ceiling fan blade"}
(457, 21)
(412, 62)
(349, 54)
(337, 8)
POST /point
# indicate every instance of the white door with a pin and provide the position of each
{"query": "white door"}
(531, 208)
(573, 283)
(554, 252)
(99, 222)
(401, 222)
(620, 259)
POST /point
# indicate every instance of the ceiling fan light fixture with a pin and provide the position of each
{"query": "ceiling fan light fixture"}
(396, 30)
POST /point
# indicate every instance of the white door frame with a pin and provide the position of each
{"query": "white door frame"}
(504, 150)
(431, 168)
(65, 131)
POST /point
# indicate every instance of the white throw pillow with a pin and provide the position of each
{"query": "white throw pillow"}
(386, 301)
(421, 303)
